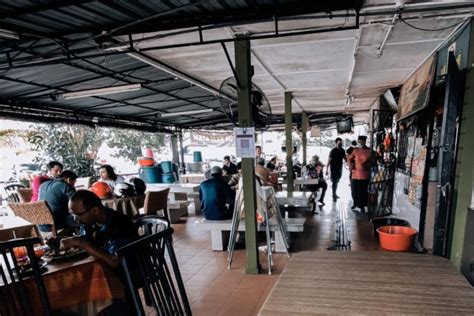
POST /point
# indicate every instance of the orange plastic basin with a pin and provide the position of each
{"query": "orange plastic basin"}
(146, 162)
(396, 238)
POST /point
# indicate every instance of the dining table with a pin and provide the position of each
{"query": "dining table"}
(16, 227)
(81, 283)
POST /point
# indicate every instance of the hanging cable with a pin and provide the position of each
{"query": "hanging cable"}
(428, 30)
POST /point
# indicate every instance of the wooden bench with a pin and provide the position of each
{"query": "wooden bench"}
(220, 231)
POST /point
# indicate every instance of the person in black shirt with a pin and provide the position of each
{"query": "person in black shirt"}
(229, 167)
(105, 230)
(336, 157)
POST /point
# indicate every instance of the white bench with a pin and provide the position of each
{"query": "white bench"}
(220, 230)
(176, 209)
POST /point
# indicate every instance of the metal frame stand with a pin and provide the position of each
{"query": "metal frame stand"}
(267, 195)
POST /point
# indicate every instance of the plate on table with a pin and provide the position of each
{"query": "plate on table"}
(64, 254)
(27, 269)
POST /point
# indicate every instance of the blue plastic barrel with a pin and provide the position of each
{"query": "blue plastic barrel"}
(168, 178)
(167, 166)
(197, 156)
(150, 174)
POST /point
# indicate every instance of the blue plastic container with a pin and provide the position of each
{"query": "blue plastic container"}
(197, 156)
(168, 178)
(150, 174)
(167, 166)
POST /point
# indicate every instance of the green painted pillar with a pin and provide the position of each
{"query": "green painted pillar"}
(244, 73)
(181, 151)
(304, 129)
(464, 180)
(289, 142)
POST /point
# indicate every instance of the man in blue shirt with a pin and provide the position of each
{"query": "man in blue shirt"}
(214, 194)
(57, 193)
(105, 230)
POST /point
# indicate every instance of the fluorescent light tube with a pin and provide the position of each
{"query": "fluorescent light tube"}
(101, 91)
(185, 113)
(9, 34)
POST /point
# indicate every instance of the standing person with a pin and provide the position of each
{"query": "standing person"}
(258, 152)
(108, 175)
(335, 161)
(315, 171)
(214, 194)
(57, 194)
(54, 170)
(229, 167)
(359, 162)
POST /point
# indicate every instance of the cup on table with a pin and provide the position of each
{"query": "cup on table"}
(39, 251)
(21, 254)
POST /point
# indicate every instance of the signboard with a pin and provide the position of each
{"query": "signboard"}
(244, 142)
(415, 92)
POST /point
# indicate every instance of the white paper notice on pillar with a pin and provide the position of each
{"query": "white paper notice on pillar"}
(244, 142)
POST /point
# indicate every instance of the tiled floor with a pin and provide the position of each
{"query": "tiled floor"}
(212, 289)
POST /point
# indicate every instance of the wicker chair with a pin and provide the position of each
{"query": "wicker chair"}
(37, 213)
(156, 201)
(25, 194)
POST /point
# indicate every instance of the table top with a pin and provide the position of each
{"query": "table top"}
(364, 282)
(16, 227)
(174, 187)
(294, 194)
(301, 181)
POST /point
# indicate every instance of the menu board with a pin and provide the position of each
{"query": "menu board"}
(415, 92)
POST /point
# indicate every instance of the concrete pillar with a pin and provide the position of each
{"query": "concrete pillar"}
(289, 141)
(174, 149)
(244, 73)
(304, 129)
(464, 181)
(181, 151)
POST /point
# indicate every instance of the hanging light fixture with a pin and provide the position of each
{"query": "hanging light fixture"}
(100, 91)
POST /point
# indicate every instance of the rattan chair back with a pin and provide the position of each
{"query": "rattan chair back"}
(156, 201)
(37, 213)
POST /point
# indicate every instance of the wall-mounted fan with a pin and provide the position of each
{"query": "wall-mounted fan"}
(262, 112)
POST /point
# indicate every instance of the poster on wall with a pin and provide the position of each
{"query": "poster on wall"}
(415, 92)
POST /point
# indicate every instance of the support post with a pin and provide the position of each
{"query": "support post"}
(304, 129)
(244, 72)
(289, 142)
(174, 149)
(464, 177)
(181, 151)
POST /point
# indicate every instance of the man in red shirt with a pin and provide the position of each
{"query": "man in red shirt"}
(54, 170)
(359, 162)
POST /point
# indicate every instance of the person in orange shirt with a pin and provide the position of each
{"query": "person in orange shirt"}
(359, 162)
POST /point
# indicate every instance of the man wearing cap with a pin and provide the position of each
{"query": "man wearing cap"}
(359, 162)
(214, 194)
(315, 171)
(336, 157)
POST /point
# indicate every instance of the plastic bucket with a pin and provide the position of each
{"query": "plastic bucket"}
(197, 156)
(387, 221)
(150, 174)
(396, 238)
(167, 178)
(167, 166)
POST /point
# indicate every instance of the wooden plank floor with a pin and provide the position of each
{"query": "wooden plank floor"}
(369, 282)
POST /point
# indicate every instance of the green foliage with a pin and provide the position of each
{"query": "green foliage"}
(74, 145)
(129, 143)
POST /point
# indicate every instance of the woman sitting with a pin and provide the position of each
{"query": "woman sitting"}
(107, 175)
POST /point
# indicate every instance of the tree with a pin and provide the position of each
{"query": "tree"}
(75, 146)
(129, 143)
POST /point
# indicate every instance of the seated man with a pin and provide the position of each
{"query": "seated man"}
(105, 230)
(228, 167)
(263, 173)
(54, 169)
(57, 193)
(315, 171)
(214, 194)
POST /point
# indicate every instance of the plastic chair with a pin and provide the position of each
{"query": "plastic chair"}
(145, 266)
(25, 195)
(156, 201)
(14, 299)
(152, 224)
(12, 192)
(37, 213)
